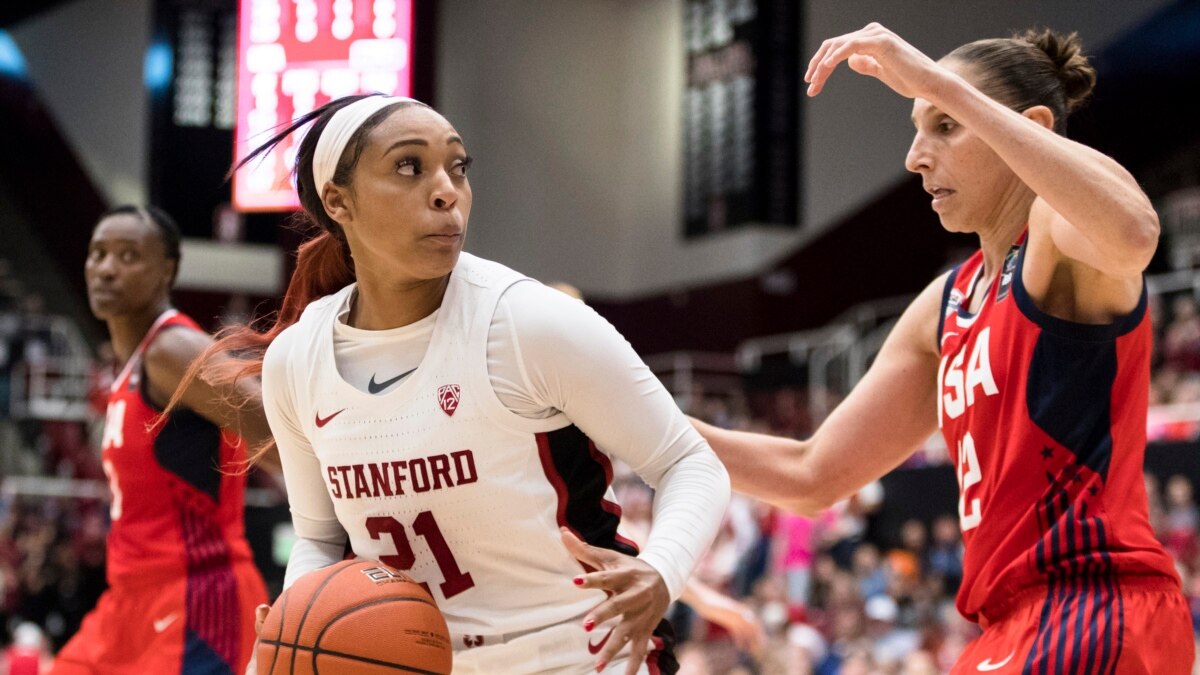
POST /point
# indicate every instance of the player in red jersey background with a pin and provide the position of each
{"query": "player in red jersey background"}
(1032, 357)
(182, 582)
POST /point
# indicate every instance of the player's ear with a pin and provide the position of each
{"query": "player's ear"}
(1041, 114)
(338, 203)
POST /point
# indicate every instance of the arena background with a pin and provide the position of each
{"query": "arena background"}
(577, 112)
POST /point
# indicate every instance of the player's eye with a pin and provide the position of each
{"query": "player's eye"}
(462, 166)
(408, 166)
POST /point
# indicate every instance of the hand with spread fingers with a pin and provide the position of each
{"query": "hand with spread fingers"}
(880, 53)
(637, 594)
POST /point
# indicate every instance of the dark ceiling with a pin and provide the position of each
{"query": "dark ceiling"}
(15, 12)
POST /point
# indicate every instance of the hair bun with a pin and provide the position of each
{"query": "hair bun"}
(1077, 75)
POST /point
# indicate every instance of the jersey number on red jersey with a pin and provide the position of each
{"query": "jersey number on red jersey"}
(114, 437)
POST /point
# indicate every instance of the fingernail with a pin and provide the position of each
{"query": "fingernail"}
(600, 666)
(589, 625)
(578, 581)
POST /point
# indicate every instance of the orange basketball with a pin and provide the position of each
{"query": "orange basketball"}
(357, 617)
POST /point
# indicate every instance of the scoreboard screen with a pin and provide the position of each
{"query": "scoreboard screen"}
(296, 55)
(741, 114)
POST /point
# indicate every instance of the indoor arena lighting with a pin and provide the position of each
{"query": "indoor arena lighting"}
(12, 62)
(156, 70)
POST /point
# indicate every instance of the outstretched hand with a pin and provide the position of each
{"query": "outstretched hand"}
(636, 593)
(880, 53)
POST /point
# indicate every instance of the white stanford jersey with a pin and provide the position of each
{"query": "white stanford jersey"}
(436, 477)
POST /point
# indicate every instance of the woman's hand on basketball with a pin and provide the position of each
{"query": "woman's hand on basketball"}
(260, 615)
(637, 594)
(880, 53)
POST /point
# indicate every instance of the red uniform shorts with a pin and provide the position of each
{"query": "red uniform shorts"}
(1124, 625)
(147, 629)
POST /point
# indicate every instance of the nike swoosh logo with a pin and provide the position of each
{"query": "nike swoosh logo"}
(163, 623)
(322, 421)
(986, 665)
(595, 648)
(376, 387)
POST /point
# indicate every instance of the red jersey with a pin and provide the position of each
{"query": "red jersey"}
(1045, 420)
(177, 500)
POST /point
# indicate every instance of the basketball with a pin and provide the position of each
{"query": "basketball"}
(356, 617)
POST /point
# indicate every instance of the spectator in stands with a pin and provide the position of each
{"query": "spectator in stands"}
(1181, 339)
(906, 560)
(34, 339)
(1187, 390)
(1157, 511)
(851, 523)
(920, 662)
(1181, 519)
(797, 539)
(28, 654)
(943, 560)
(891, 642)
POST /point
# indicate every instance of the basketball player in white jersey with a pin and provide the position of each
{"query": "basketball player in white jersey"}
(454, 419)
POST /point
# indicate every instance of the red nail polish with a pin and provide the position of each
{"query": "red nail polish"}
(578, 581)
(589, 625)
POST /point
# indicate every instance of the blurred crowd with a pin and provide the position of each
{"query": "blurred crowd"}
(784, 593)
(1175, 384)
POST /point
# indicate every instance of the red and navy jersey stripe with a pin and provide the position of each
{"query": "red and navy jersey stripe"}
(1045, 420)
(1081, 621)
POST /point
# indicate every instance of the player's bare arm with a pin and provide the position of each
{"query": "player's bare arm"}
(1091, 226)
(237, 407)
(883, 421)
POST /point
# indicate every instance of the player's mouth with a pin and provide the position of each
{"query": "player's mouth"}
(940, 195)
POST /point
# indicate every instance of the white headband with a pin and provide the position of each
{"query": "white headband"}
(337, 133)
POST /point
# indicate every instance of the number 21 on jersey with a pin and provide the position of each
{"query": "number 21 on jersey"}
(970, 513)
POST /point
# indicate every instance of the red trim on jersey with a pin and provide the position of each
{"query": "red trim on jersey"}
(652, 657)
(560, 487)
(118, 382)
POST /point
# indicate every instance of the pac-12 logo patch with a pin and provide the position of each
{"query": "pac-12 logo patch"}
(448, 397)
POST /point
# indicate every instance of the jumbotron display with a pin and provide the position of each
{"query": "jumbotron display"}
(295, 55)
(741, 114)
